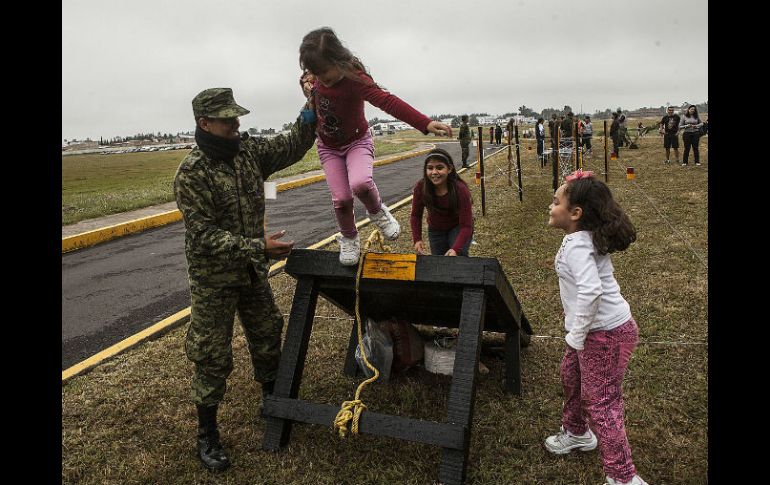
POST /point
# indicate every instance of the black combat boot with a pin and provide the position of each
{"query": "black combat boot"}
(210, 451)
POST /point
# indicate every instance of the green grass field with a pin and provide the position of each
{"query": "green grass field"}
(130, 420)
(97, 185)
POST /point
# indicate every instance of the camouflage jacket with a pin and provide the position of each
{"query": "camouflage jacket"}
(223, 206)
(465, 133)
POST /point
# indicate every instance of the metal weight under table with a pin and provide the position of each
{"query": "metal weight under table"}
(470, 293)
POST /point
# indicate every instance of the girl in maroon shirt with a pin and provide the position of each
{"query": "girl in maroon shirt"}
(450, 214)
(340, 84)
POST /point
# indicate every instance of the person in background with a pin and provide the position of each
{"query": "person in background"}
(465, 139)
(553, 126)
(669, 128)
(623, 131)
(540, 138)
(615, 135)
(691, 124)
(588, 133)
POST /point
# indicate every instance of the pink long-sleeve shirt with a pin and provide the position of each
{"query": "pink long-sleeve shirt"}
(340, 110)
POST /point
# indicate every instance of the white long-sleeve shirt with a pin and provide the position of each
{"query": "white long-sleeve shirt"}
(590, 294)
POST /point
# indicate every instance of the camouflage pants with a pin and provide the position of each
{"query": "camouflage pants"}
(465, 152)
(209, 337)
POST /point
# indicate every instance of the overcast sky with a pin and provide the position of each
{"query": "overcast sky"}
(134, 66)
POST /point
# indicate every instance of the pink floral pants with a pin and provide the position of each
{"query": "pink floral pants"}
(592, 379)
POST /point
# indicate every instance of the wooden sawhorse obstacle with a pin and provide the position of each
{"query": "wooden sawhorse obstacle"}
(470, 293)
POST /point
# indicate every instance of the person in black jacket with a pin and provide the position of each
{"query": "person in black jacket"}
(615, 134)
(553, 125)
(669, 128)
(540, 137)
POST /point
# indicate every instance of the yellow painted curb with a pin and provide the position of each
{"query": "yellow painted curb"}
(153, 331)
(90, 238)
(300, 182)
(183, 315)
(96, 236)
(404, 156)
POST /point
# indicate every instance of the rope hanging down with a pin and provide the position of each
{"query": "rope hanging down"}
(351, 410)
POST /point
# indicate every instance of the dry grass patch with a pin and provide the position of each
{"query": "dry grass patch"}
(130, 420)
(96, 185)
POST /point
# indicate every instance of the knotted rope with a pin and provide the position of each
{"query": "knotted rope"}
(351, 410)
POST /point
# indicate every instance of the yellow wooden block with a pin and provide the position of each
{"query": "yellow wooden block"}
(389, 266)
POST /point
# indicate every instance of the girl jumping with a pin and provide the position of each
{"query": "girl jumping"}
(601, 333)
(340, 84)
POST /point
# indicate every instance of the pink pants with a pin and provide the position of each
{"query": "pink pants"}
(592, 379)
(349, 171)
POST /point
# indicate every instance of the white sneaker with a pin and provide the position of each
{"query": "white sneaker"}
(350, 250)
(563, 442)
(637, 480)
(386, 223)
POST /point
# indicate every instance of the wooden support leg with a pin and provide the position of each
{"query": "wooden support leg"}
(513, 361)
(277, 431)
(462, 393)
(351, 366)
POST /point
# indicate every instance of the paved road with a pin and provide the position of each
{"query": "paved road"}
(115, 289)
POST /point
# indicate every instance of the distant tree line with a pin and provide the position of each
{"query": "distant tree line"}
(545, 113)
(472, 120)
(162, 137)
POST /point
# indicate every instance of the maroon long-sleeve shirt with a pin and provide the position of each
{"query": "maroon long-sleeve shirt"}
(340, 110)
(444, 220)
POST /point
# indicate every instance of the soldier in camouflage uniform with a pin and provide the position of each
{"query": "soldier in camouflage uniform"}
(465, 139)
(219, 189)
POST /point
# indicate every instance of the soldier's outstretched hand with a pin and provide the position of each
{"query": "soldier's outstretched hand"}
(439, 129)
(276, 249)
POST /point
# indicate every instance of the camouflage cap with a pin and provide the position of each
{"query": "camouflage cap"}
(217, 103)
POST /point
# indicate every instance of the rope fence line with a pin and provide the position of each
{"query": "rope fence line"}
(587, 164)
(624, 168)
(326, 317)
(641, 341)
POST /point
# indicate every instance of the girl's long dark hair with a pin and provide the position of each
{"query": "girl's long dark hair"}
(321, 49)
(611, 228)
(687, 112)
(429, 190)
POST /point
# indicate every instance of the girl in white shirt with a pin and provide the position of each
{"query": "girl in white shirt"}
(601, 334)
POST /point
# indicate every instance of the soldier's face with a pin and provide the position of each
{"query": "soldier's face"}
(222, 127)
